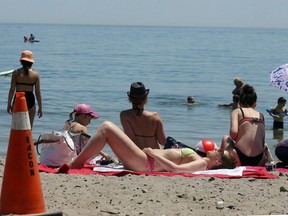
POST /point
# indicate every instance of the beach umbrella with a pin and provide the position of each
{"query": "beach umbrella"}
(279, 77)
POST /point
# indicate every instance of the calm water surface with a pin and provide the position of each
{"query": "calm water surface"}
(97, 64)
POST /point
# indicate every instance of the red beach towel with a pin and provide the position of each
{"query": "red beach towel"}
(250, 172)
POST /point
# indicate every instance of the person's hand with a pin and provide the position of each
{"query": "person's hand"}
(148, 151)
(9, 109)
(40, 113)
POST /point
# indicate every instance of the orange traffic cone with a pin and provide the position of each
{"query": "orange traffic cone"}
(21, 191)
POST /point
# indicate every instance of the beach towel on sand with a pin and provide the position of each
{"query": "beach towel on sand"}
(239, 172)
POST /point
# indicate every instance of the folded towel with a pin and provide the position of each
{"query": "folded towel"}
(238, 171)
(231, 172)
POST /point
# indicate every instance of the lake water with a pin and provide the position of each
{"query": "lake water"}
(96, 65)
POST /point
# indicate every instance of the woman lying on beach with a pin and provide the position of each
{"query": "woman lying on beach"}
(133, 158)
(144, 128)
(247, 131)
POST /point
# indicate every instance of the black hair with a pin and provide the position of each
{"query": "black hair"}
(248, 97)
(71, 117)
(281, 100)
(26, 65)
(136, 101)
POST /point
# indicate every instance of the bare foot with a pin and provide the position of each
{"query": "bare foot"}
(64, 168)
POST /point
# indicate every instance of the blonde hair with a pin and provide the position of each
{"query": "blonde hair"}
(237, 80)
(228, 161)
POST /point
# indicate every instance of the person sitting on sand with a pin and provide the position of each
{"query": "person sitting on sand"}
(148, 160)
(278, 113)
(80, 117)
(247, 132)
(144, 128)
(190, 100)
(77, 123)
(281, 151)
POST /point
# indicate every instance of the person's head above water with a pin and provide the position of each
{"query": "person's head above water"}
(190, 100)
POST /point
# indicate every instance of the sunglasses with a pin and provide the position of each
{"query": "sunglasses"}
(88, 115)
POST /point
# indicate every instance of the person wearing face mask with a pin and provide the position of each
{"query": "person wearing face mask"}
(27, 80)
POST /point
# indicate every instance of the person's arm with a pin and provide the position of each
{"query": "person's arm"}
(285, 111)
(234, 124)
(160, 133)
(38, 95)
(271, 113)
(197, 165)
(11, 92)
(78, 128)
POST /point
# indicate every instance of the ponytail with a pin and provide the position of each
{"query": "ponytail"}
(71, 117)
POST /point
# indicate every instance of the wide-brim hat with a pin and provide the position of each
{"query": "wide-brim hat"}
(85, 109)
(27, 55)
(138, 90)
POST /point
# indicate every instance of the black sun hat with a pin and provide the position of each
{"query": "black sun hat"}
(138, 90)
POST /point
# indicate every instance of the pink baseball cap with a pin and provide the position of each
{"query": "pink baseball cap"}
(85, 109)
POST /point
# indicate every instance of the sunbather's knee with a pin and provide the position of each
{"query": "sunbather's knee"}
(107, 127)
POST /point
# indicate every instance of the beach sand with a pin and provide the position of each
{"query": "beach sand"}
(161, 195)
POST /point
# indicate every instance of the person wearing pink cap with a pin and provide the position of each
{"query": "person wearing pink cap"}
(26, 80)
(143, 127)
(80, 117)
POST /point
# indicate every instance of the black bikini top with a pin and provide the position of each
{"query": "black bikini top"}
(27, 84)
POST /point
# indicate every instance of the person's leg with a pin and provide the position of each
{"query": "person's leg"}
(267, 153)
(32, 115)
(128, 153)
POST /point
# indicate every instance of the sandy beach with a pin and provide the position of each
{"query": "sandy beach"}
(149, 195)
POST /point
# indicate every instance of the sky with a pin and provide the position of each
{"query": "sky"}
(200, 13)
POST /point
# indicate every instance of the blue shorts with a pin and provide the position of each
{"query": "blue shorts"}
(278, 125)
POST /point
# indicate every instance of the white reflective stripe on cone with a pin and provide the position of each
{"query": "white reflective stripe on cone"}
(20, 121)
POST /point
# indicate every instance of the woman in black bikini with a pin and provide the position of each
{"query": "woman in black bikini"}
(26, 80)
(144, 128)
(247, 131)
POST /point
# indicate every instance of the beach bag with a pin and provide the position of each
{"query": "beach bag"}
(57, 148)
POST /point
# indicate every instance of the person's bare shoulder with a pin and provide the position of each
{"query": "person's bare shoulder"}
(155, 116)
(125, 113)
(35, 73)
